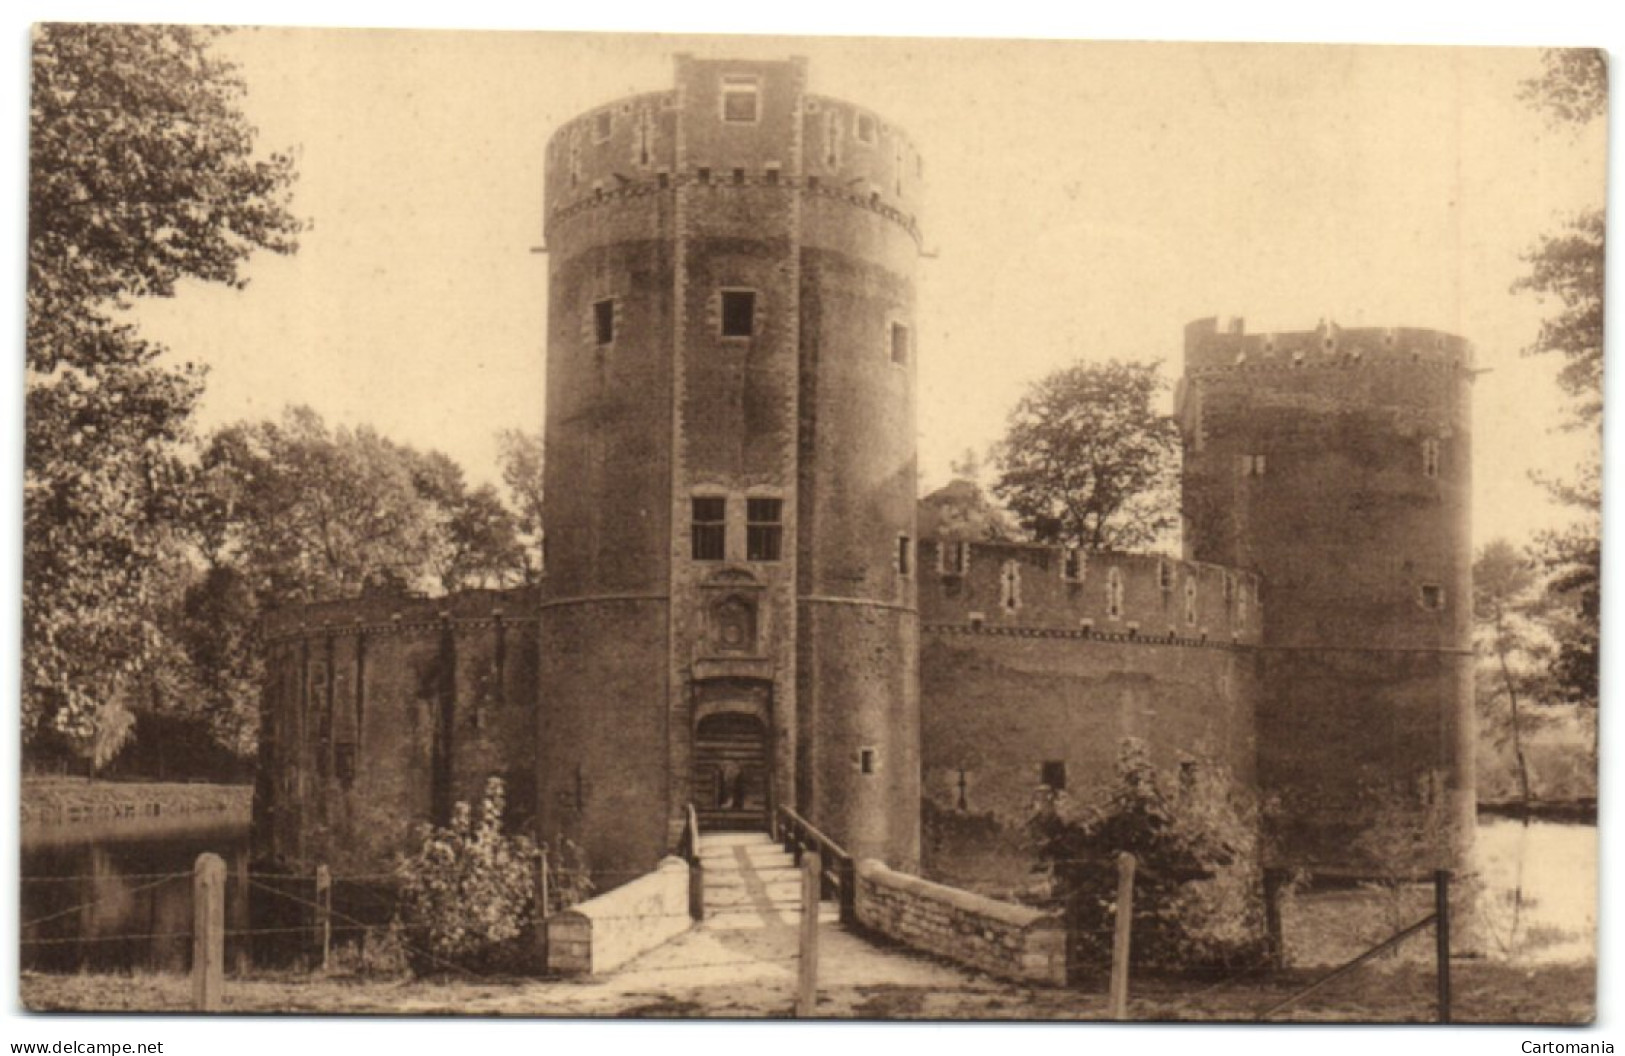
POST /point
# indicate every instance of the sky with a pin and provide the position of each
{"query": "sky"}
(1083, 200)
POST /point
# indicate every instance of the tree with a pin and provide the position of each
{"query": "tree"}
(521, 458)
(475, 542)
(141, 173)
(310, 514)
(1569, 266)
(1087, 460)
(1508, 604)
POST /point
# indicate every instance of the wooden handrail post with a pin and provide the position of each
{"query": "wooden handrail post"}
(807, 977)
(1275, 936)
(849, 892)
(208, 932)
(324, 912)
(1122, 935)
(1441, 932)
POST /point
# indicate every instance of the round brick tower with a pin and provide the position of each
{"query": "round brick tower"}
(1337, 465)
(728, 617)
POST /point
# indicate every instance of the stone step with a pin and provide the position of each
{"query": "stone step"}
(733, 839)
(750, 919)
(737, 877)
(766, 854)
(788, 892)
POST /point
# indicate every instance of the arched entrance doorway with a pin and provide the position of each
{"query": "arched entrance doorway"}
(731, 772)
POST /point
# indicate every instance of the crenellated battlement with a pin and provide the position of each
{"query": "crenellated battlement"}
(1215, 346)
(779, 137)
(1026, 587)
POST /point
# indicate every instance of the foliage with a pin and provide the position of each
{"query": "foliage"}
(1087, 460)
(1507, 607)
(1198, 891)
(141, 173)
(521, 459)
(960, 510)
(1573, 86)
(1568, 267)
(468, 897)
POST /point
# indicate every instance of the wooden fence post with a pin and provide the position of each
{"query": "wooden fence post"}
(208, 932)
(807, 977)
(324, 912)
(1273, 880)
(1441, 933)
(543, 910)
(1120, 939)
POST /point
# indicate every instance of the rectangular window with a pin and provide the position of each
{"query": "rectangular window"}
(739, 177)
(866, 760)
(1072, 564)
(954, 557)
(866, 128)
(710, 528)
(738, 313)
(603, 321)
(739, 99)
(1052, 775)
(1432, 597)
(703, 174)
(905, 555)
(899, 344)
(603, 125)
(772, 175)
(764, 529)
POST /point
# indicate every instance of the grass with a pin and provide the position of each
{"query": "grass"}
(1483, 992)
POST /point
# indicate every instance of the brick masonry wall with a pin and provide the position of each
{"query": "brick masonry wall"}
(379, 713)
(603, 933)
(1336, 463)
(999, 703)
(1009, 941)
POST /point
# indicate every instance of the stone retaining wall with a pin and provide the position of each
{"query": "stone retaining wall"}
(1009, 941)
(603, 933)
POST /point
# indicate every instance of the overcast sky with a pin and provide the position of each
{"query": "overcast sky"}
(1083, 201)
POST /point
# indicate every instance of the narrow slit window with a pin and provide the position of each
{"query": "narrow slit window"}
(866, 760)
(1190, 601)
(738, 313)
(740, 98)
(899, 344)
(1430, 457)
(603, 321)
(1072, 564)
(603, 125)
(905, 555)
(866, 129)
(953, 557)
(710, 528)
(764, 529)
(1114, 594)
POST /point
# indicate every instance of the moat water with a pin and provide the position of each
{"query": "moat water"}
(118, 897)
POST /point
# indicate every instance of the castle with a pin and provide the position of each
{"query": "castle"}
(740, 613)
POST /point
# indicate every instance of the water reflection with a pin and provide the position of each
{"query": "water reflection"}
(1538, 903)
(108, 898)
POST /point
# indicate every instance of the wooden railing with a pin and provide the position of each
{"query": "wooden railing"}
(839, 874)
(688, 849)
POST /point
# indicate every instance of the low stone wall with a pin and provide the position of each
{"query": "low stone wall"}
(1009, 941)
(603, 933)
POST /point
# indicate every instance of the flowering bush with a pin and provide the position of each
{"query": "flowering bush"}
(468, 897)
(1198, 887)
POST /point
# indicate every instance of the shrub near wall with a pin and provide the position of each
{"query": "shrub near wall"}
(1009, 941)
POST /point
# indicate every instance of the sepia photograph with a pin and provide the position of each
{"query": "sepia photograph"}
(588, 525)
